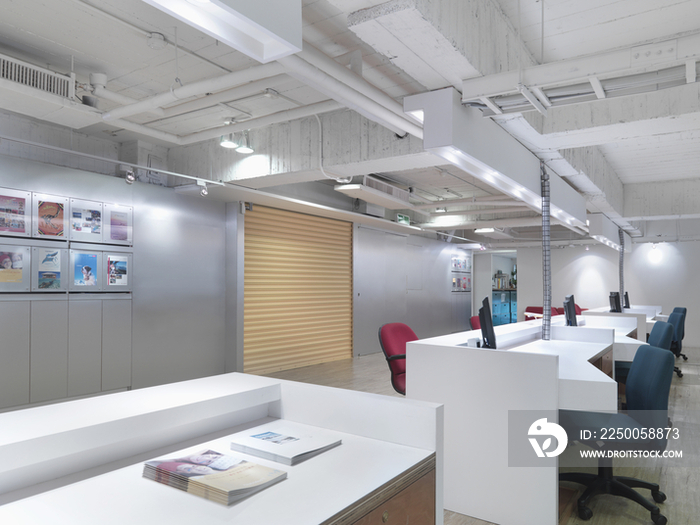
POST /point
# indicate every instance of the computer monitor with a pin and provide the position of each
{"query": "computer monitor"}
(615, 302)
(627, 300)
(570, 310)
(487, 334)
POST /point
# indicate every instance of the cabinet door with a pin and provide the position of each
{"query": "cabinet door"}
(84, 347)
(14, 357)
(116, 344)
(49, 353)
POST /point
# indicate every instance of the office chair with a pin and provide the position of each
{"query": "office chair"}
(661, 336)
(474, 322)
(393, 338)
(648, 387)
(681, 335)
(676, 318)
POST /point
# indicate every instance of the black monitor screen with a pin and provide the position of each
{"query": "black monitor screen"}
(627, 300)
(487, 333)
(570, 310)
(615, 302)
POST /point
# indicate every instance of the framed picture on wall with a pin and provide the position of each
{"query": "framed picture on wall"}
(118, 224)
(85, 274)
(50, 216)
(15, 266)
(15, 212)
(49, 269)
(85, 221)
(118, 271)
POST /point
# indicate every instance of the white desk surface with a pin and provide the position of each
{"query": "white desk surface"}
(314, 491)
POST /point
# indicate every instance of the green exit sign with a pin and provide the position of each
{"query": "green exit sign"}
(403, 219)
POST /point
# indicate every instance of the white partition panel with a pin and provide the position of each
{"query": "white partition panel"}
(116, 343)
(84, 346)
(14, 372)
(49, 354)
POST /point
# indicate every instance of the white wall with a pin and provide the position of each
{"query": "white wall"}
(670, 280)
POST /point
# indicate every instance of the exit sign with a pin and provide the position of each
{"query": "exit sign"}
(403, 219)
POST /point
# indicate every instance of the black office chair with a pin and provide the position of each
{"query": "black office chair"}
(681, 335)
(661, 336)
(676, 319)
(648, 387)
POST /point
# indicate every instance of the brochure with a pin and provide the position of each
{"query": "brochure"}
(285, 441)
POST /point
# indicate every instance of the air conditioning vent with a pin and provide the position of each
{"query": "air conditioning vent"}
(400, 194)
(36, 77)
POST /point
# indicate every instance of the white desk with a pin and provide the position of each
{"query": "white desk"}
(479, 387)
(644, 314)
(383, 438)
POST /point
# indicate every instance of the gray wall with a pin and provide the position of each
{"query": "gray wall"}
(179, 252)
(404, 279)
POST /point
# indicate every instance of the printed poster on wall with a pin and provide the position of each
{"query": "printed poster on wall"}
(118, 224)
(118, 270)
(49, 268)
(85, 221)
(15, 208)
(14, 268)
(50, 214)
(85, 269)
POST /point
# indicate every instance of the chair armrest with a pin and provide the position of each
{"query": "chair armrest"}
(398, 356)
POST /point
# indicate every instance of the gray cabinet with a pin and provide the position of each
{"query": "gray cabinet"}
(49, 350)
(14, 353)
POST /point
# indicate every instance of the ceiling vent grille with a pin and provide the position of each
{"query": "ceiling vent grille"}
(36, 77)
(377, 184)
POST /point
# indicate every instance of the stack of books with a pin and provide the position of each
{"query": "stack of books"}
(209, 474)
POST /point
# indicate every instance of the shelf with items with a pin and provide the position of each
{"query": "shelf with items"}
(504, 309)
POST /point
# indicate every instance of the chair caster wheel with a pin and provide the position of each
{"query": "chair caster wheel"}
(685, 358)
(680, 374)
(585, 513)
(659, 519)
(659, 497)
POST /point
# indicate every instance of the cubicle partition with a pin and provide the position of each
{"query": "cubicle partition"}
(479, 387)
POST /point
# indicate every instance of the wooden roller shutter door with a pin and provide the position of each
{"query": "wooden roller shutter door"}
(298, 290)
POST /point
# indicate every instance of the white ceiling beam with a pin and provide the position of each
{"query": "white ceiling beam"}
(524, 91)
(492, 105)
(691, 73)
(621, 62)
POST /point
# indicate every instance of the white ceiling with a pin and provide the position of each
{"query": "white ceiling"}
(111, 36)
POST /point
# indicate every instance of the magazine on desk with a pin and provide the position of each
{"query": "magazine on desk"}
(285, 441)
(212, 475)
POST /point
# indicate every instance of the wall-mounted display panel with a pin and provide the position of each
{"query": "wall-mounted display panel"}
(85, 274)
(50, 216)
(15, 268)
(86, 222)
(118, 271)
(15, 212)
(49, 269)
(118, 224)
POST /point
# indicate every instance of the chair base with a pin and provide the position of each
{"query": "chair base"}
(678, 371)
(605, 483)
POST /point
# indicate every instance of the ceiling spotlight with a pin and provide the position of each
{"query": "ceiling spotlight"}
(270, 93)
(156, 41)
(440, 210)
(204, 191)
(228, 141)
(129, 177)
(245, 147)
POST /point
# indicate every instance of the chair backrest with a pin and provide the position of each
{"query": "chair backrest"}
(675, 319)
(393, 338)
(578, 309)
(681, 310)
(648, 386)
(474, 322)
(661, 335)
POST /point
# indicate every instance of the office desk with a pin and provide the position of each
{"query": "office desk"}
(625, 344)
(387, 443)
(645, 315)
(479, 387)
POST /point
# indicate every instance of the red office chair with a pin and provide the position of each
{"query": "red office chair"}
(475, 323)
(393, 338)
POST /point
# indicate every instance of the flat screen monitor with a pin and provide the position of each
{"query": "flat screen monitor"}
(627, 300)
(615, 302)
(570, 310)
(487, 334)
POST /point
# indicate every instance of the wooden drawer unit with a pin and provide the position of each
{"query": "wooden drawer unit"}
(605, 363)
(408, 498)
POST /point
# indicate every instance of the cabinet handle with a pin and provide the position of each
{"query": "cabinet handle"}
(385, 516)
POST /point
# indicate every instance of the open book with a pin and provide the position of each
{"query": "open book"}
(212, 475)
(285, 441)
